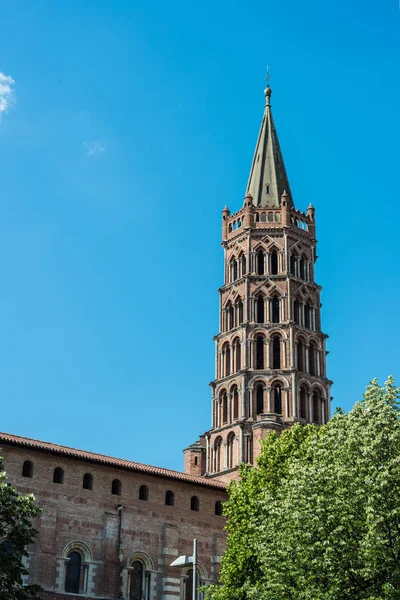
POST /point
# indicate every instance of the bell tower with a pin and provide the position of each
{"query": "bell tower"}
(270, 350)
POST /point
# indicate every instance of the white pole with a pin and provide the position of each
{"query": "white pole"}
(194, 596)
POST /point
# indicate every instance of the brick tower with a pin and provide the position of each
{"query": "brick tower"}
(270, 351)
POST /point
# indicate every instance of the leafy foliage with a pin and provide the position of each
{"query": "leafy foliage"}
(16, 533)
(319, 519)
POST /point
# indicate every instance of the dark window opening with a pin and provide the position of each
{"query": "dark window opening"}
(302, 268)
(278, 399)
(194, 503)
(315, 407)
(144, 493)
(235, 270)
(27, 469)
(217, 450)
(224, 408)
(227, 361)
(235, 403)
(116, 487)
(243, 262)
(218, 508)
(275, 310)
(169, 498)
(196, 460)
(260, 399)
(312, 359)
(276, 352)
(231, 317)
(260, 310)
(240, 312)
(260, 263)
(300, 355)
(296, 307)
(302, 403)
(87, 481)
(267, 189)
(274, 263)
(259, 352)
(293, 260)
(238, 356)
(58, 475)
(307, 312)
(73, 573)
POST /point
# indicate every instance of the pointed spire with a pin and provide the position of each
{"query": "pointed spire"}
(268, 179)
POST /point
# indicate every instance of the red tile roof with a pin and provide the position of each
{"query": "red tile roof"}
(24, 442)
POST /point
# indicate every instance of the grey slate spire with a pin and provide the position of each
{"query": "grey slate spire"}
(268, 179)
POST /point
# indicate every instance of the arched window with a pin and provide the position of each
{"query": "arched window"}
(260, 262)
(169, 498)
(217, 452)
(235, 402)
(278, 398)
(307, 313)
(229, 448)
(296, 310)
(234, 270)
(116, 487)
(189, 585)
(87, 483)
(293, 264)
(218, 508)
(275, 309)
(231, 316)
(73, 573)
(238, 360)
(58, 475)
(303, 396)
(136, 585)
(259, 352)
(27, 469)
(300, 355)
(194, 503)
(240, 311)
(312, 359)
(315, 410)
(276, 352)
(144, 493)
(224, 403)
(259, 398)
(302, 271)
(243, 264)
(227, 360)
(260, 310)
(274, 263)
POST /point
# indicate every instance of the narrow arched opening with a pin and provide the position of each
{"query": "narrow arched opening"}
(303, 409)
(260, 309)
(73, 572)
(277, 395)
(274, 263)
(300, 355)
(259, 398)
(276, 352)
(259, 352)
(260, 262)
(275, 309)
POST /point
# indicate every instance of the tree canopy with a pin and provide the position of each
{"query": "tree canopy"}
(16, 533)
(319, 517)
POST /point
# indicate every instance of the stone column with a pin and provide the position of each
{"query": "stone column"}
(268, 353)
(267, 310)
(292, 348)
(268, 394)
(294, 396)
(231, 359)
(307, 356)
(229, 400)
(251, 402)
(225, 457)
(243, 398)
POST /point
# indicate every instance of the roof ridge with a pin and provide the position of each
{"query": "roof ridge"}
(106, 459)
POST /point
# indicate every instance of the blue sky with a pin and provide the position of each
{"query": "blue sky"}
(128, 126)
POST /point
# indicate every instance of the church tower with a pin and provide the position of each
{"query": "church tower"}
(270, 350)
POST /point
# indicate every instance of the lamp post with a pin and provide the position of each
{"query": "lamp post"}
(186, 561)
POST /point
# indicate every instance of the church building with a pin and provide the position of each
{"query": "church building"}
(111, 528)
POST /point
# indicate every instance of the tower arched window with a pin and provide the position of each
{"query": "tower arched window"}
(73, 572)
(293, 264)
(316, 403)
(275, 309)
(259, 352)
(238, 358)
(302, 268)
(240, 311)
(276, 352)
(260, 310)
(303, 396)
(235, 402)
(227, 354)
(58, 475)
(231, 316)
(194, 503)
(116, 487)
(230, 449)
(224, 403)
(87, 483)
(217, 453)
(277, 395)
(296, 310)
(307, 316)
(169, 498)
(234, 270)
(27, 469)
(144, 493)
(274, 263)
(312, 359)
(259, 398)
(243, 265)
(260, 262)
(300, 355)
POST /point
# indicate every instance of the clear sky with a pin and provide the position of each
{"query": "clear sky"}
(125, 128)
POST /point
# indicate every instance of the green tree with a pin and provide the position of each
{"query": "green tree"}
(16, 533)
(319, 518)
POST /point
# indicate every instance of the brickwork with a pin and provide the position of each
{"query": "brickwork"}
(108, 539)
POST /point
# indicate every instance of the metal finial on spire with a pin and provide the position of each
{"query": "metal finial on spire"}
(268, 91)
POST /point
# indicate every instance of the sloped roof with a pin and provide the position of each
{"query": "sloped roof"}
(23, 442)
